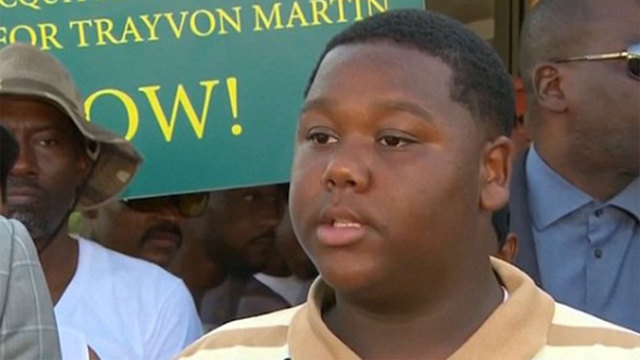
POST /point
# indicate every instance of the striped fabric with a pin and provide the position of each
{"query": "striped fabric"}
(529, 325)
(27, 325)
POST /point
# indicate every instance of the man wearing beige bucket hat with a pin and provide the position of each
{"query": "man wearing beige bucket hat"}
(27, 325)
(120, 307)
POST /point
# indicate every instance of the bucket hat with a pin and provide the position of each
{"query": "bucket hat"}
(27, 71)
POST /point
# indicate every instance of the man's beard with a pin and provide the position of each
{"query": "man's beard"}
(237, 265)
(32, 215)
(243, 261)
(232, 260)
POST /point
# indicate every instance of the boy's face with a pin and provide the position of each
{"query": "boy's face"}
(385, 182)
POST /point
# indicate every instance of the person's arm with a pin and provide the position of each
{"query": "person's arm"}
(27, 324)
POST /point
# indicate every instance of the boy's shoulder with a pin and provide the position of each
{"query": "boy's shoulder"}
(264, 336)
(574, 334)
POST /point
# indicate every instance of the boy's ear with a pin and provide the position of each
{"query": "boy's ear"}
(496, 173)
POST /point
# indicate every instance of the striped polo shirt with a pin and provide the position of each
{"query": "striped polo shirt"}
(528, 325)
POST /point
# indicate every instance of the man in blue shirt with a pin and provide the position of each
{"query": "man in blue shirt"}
(575, 200)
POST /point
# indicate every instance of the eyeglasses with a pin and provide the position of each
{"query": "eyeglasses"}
(189, 205)
(632, 54)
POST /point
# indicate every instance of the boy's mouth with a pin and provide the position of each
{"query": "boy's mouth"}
(340, 223)
(340, 227)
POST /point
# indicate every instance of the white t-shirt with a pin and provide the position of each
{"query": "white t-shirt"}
(73, 344)
(127, 308)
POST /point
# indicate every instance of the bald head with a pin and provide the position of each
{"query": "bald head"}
(553, 29)
(583, 115)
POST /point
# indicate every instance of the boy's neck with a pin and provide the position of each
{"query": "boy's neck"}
(433, 331)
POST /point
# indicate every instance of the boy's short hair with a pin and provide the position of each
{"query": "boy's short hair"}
(480, 82)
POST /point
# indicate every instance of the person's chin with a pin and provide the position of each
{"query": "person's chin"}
(243, 270)
(160, 250)
(162, 259)
(32, 221)
(30, 208)
(347, 278)
(256, 266)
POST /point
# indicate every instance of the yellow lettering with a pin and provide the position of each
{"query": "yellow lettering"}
(130, 29)
(8, 5)
(380, 7)
(127, 101)
(181, 99)
(262, 18)
(297, 14)
(104, 27)
(48, 33)
(82, 40)
(320, 12)
(177, 30)
(358, 9)
(151, 26)
(3, 35)
(13, 35)
(31, 4)
(193, 23)
(341, 17)
(224, 17)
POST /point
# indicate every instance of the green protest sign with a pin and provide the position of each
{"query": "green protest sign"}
(208, 91)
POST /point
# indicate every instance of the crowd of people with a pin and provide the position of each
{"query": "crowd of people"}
(411, 228)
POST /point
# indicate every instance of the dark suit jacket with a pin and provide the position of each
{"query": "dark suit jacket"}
(521, 220)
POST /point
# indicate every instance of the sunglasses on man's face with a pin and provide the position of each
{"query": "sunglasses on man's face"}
(632, 55)
(189, 205)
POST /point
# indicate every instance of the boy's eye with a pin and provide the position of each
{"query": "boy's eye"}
(394, 141)
(322, 138)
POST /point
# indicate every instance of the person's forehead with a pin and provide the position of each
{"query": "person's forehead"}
(29, 111)
(386, 76)
(374, 55)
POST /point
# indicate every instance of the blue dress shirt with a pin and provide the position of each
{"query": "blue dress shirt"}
(588, 251)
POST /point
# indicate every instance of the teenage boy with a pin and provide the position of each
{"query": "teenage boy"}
(401, 157)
